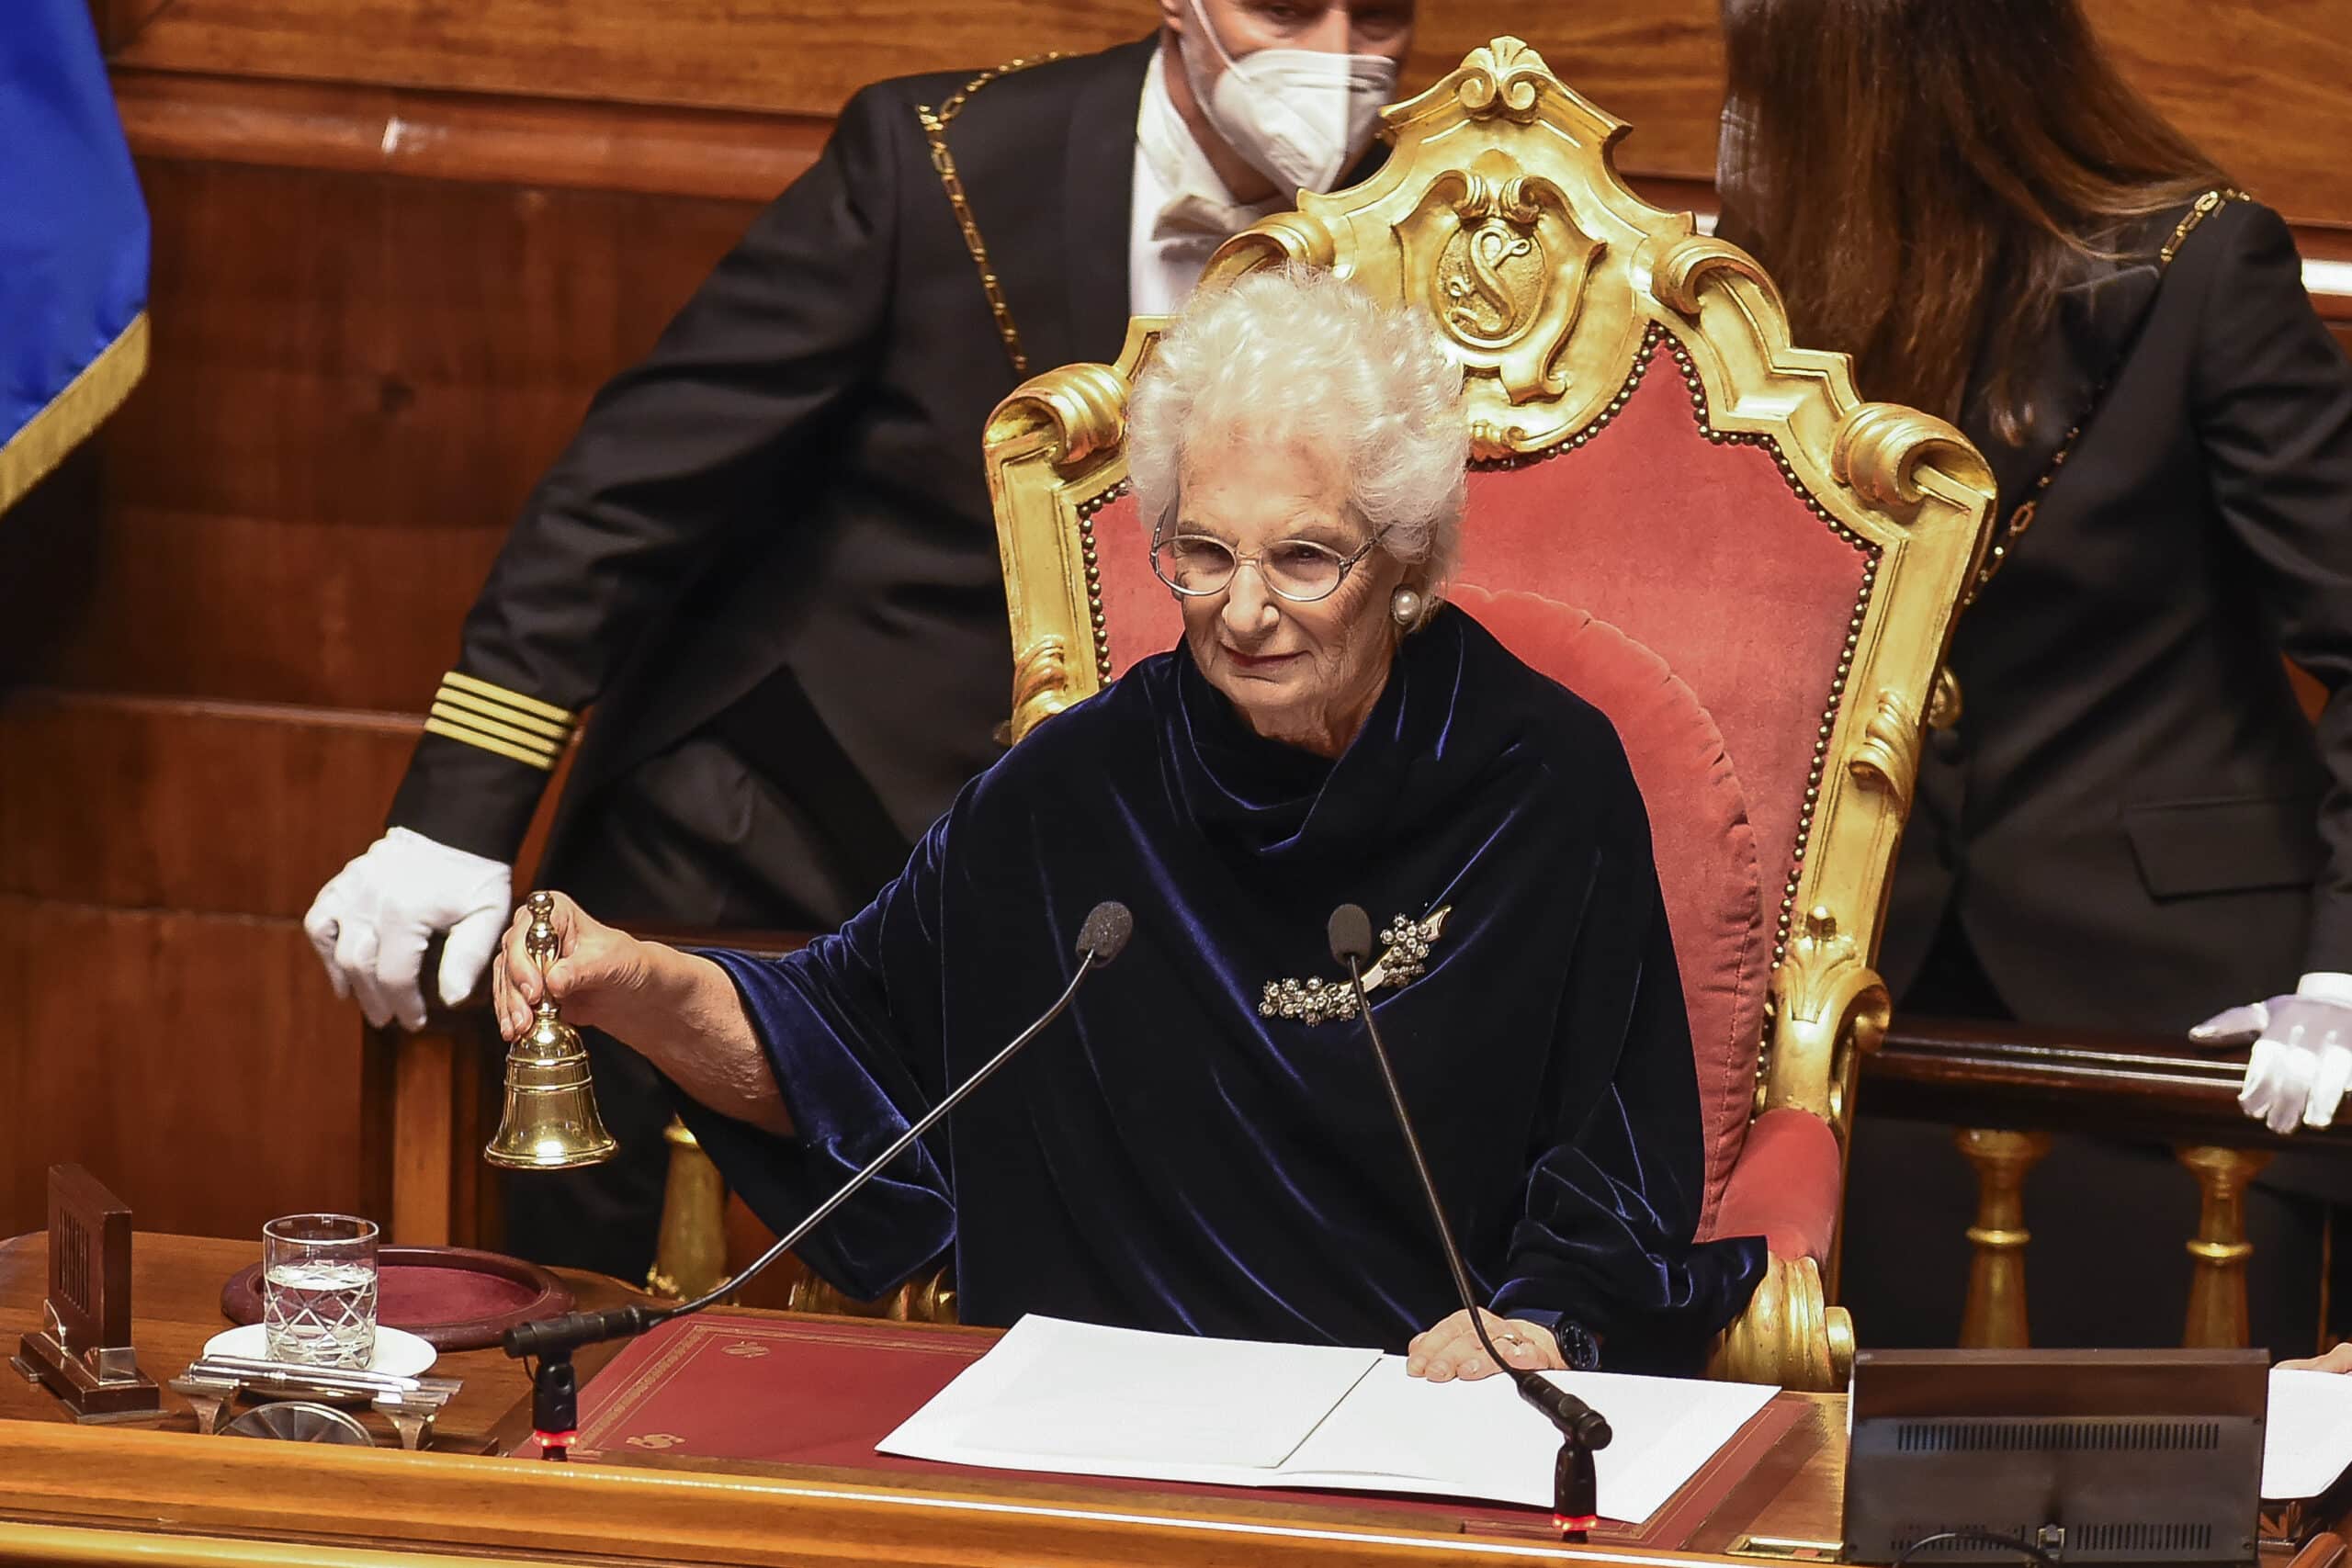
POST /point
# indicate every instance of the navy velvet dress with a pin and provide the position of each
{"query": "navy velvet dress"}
(1168, 1157)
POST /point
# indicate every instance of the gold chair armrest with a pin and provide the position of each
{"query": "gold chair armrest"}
(1789, 1335)
(926, 1298)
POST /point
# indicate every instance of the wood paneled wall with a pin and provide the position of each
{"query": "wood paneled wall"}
(2262, 86)
(398, 244)
(218, 629)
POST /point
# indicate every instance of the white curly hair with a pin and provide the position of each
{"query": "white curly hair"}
(1294, 354)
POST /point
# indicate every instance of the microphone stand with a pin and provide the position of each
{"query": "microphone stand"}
(1576, 1485)
(555, 1389)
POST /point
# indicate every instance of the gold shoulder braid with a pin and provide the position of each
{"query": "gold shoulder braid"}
(934, 131)
(501, 720)
(2022, 518)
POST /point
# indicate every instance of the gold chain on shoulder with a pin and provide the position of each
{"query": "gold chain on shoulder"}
(2204, 208)
(934, 130)
(2022, 518)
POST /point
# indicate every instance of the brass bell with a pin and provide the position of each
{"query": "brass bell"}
(549, 1120)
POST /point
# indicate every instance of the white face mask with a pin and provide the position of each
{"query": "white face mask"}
(1298, 116)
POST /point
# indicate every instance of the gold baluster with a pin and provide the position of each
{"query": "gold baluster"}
(1994, 1319)
(691, 1257)
(2217, 1294)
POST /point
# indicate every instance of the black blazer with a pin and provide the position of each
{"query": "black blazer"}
(788, 495)
(2132, 820)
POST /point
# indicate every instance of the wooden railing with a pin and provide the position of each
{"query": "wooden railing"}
(2004, 1087)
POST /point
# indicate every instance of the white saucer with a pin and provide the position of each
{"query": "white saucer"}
(398, 1352)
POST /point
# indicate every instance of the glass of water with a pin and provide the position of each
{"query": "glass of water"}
(318, 1289)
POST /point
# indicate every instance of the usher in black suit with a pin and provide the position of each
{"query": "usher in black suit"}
(768, 560)
(2133, 825)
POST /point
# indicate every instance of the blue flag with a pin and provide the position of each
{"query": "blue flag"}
(73, 242)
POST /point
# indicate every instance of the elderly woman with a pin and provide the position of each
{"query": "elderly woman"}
(1188, 1154)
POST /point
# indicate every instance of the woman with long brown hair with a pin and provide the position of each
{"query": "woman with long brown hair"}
(2132, 824)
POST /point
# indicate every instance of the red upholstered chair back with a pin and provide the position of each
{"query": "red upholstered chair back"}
(1687, 588)
(1673, 511)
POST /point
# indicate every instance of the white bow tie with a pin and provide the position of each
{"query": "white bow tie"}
(1192, 221)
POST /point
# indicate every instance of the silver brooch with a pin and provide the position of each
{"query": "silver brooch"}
(1403, 953)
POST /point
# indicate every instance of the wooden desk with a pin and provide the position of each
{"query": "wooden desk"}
(167, 1498)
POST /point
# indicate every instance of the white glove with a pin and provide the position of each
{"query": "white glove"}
(2301, 1059)
(370, 924)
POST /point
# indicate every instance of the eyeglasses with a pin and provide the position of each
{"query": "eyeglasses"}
(1300, 570)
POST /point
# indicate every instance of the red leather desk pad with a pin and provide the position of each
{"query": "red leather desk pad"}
(795, 1391)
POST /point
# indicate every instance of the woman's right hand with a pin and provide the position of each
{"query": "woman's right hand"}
(596, 969)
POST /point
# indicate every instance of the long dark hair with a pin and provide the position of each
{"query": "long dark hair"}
(1922, 177)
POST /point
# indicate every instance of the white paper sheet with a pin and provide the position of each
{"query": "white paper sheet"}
(2308, 1441)
(1072, 1396)
(1395, 1433)
(1075, 1398)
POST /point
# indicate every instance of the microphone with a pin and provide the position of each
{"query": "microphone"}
(554, 1390)
(1351, 934)
(1105, 934)
(1584, 1429)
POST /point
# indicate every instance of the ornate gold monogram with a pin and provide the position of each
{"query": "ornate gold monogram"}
(1505, 263)
(1403, 953)
(1491, 278)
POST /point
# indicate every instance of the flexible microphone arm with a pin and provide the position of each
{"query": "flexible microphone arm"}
(1583, 1428)
(554, 1390)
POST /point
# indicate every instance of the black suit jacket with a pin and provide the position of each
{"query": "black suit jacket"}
(786, 500)
(2133, 822)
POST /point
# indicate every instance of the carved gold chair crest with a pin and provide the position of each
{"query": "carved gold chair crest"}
(1693, 523)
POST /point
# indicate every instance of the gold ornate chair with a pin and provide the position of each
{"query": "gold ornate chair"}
(1693, 523)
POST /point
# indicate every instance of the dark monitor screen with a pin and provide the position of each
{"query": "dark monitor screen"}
(2082, 1456)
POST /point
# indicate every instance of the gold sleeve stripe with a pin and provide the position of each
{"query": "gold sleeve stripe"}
(489, 743)
(492, 728)
(452, 696)
(481, 688)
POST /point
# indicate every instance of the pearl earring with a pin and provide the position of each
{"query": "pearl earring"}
(1405, 608)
